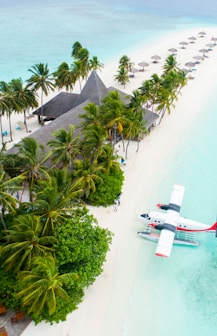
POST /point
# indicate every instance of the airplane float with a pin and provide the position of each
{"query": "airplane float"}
(170, 222)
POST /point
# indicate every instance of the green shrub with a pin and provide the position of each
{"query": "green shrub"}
(107, 191)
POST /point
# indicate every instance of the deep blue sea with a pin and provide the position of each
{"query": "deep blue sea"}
(181, 298)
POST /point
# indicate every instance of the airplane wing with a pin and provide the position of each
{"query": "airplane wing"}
(165, 243)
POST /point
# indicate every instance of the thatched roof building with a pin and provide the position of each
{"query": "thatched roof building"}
(59, 105)
(66, 107)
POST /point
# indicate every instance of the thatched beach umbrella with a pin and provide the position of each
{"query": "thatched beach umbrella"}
(173, 50)
(202, 34)
(143, 65)
(156, 58)
(192, 39)
(183, 44)
(210, 45)
(204, 51)
(198, 58)
(133, 71)
(190, 65)
(214, 39)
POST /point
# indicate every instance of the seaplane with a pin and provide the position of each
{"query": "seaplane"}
(169, 222)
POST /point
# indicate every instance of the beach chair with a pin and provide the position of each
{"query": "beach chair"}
(30, 116)
(2, 308)
(17, 317)
(20, 126)
(3, 331)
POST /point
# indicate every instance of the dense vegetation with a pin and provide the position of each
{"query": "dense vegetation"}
(51, 248)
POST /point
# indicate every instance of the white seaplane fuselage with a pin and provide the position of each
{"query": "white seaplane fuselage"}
(155, 218)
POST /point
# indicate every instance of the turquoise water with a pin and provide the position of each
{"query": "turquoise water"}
(44, 31)
(180, 296)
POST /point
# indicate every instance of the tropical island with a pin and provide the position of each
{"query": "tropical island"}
(52, 248)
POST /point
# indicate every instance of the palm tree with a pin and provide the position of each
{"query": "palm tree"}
(64, 77)
(165, 101)
(77, 71)
(136, 100)
(86, 173)
(125, 63)
(5, 105)
(94, 139)
(7, 187)
(41, 80)
(42, 285)
(92, 115)
(34, 157)
(147, 94)
(56, 199)
(112, 110)
(122, 76)
(24, 241)
(82, 56)
(94, 64)
(182, 79)
(156, 83)
(65, 147)
(76, 49)
(12, 104)
(25, 97)
(170, 64)
(107, 159)
(135, 125)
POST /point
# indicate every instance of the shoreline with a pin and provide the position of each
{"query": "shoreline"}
(106, 306)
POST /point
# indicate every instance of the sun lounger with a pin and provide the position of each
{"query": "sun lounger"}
(20, 125)
(2, 308)
(30, 116)
(3, 332)
(17, 317)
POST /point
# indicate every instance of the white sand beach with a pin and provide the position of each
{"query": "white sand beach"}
(105, 307)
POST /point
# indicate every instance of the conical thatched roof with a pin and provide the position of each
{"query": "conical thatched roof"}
(59, 105)
(94, 90)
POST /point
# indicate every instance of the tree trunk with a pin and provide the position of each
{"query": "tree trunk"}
(9, 119)
(115, 135)
(79, 82)
(138, 142)
(25, 185)
(25, 121)
(162, 115)
(128, 142)
(122, 139)
(42, 109)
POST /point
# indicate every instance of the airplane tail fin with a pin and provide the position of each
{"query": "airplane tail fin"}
(213, 228)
